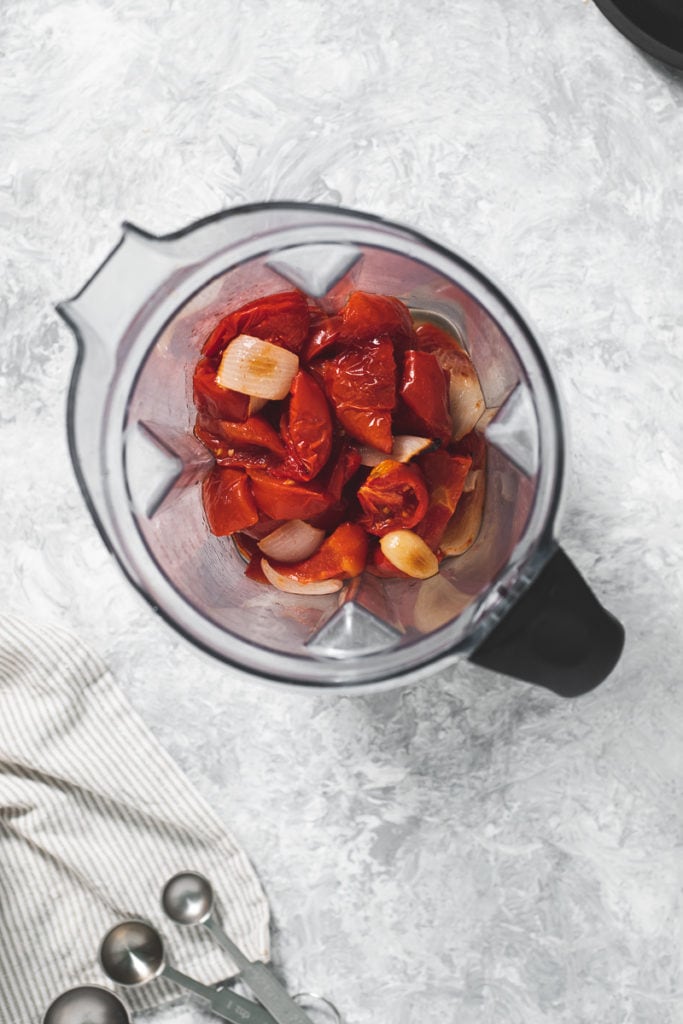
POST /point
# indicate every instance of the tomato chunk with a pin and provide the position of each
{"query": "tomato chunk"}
(282, 319)
(424, 392)
(306, 428)
(394, 497)
(474, 445)
(346, 464)
(366, 316)
(341, 556)
(361, 385)
(255, 431)
(324, 333)
(228, 502)
(249, 550)
(368, 427)
(445, 475)
(452, 358)
(254, 571)
(287, 499)
(363, 376)
(253, 443)
(213, 400)
(431, 338)
(340, 469)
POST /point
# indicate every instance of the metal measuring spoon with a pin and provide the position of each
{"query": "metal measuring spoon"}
(132, 953)
(87, 1004)
(188, 899)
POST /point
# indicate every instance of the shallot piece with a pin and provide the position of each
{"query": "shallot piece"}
(404, 448)
(290, 586)
(465, 399)
(256, 404)
(465, 523)
(292, 542)
(258, 368)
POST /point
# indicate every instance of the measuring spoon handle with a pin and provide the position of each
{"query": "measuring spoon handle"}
(185, 981)
(230, 1006)
(273, 995)
(260, 980)
(226, 1004)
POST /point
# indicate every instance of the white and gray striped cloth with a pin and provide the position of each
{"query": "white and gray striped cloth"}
(94, 817)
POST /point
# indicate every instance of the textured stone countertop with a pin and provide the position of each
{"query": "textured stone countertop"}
(472, 848)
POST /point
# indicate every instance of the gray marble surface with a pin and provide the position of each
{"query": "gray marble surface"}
(471, 848)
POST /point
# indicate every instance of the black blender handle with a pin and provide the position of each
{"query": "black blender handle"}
(557, 634)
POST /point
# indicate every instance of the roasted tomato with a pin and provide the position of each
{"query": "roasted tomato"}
(228, 502)
(464, 525)
(474, 445)
(254, 571)
(340, 469)
(361, 385)
(287, 499)
(254, 431)
(394, 497)
(424, 395)
(345, 465)
(282, 319)
(323, 334)
(445, 475)
(253, 443)
(452, 358)
(466, 400)
(250, 551)
(341, 556)
(214, 401)
(366, 316)
(306, 429)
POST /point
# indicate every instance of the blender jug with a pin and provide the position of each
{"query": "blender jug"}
(513, 602)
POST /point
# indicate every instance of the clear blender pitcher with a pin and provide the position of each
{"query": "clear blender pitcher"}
(513, 602)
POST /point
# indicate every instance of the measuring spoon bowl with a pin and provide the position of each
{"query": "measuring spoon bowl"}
(132, 953)
(188, 898)
(87, 1004)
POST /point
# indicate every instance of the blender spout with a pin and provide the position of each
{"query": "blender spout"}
(66, 310)
(104, 307)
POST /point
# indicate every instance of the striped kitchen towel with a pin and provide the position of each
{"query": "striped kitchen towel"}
(94, 817)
